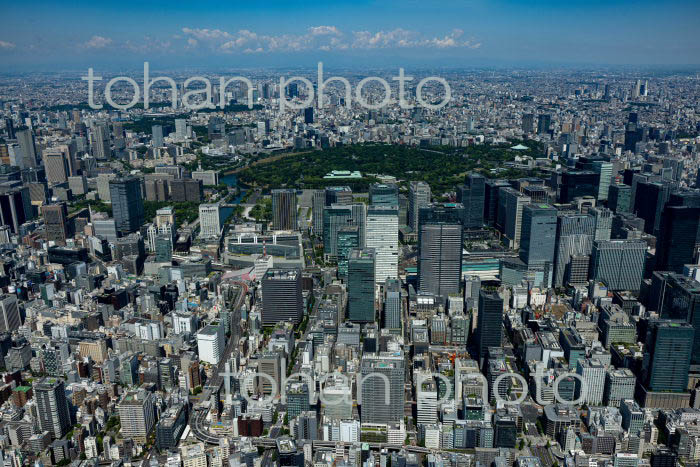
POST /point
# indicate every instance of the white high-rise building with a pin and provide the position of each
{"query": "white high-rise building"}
(382, 234)
(592, 372)
(210, 342)
(426, 404)
(209, 220)
(181, 128)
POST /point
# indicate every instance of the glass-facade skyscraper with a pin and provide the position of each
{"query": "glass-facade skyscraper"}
(361, 280)
(489, 327)
(127, 203)
(472, 196)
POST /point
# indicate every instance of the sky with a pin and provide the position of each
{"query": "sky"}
(68, 35)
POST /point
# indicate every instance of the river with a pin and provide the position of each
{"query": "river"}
(232, 181)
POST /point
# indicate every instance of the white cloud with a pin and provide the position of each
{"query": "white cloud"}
(323, 37)
(97, 42)
(7, 45)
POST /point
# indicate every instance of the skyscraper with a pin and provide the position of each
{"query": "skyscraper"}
(361, 281)
(419, 196)
(574, 238)
(578, 183)
(127, 203)
(384, 194)
(489, 328)
(472, 196)
(26, 143)
(56, 226)
(52, 407)
(157, 136)
(338, 216)
(10, 318)
(15, 206)
(649, 201)
(57, 166)
(618, 263)
(382, 232)
(510, 214)
(669, 346)
(603, 223)
(619, 198)
(679, 237)
(136, 415)
(284, 209)
(101, 149)
(679, 300)
(376, 407)
(318, 202)
(338, 195)
(440, 238)
(210, 220)
(538, 238)
(492, 189)
(392, 305)
(282, 299)
(348, 238)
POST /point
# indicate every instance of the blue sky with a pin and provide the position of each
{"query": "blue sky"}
(448, 33)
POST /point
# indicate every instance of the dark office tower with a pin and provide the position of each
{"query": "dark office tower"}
(216, 128)
(574, 238)
(679, 237)
(9, 128)
(489, 327)
(127, 203)
(348, 238)
(578, 183)
(284, 209)
(633, 117)
(282, 299)
(528, 124)
(10, 318)
(186, 190)
(375, 407)
(649, 201)
(15, 206)
(679, 300)
(619, 198)
(361, 265)
(384, 194)
(418, 197)
(664, 458)
(338, 195)
(440, 238)
(52, 407)
(603, 223)
(472, 195)
(392, 305)
(309, 115)
(56, 224)
(491, 189)
(618, 263)
(318, 202)
(544, 121)
(601, 166)
(669, 346)
(538, 237)
(157, 136)
(26, 144)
